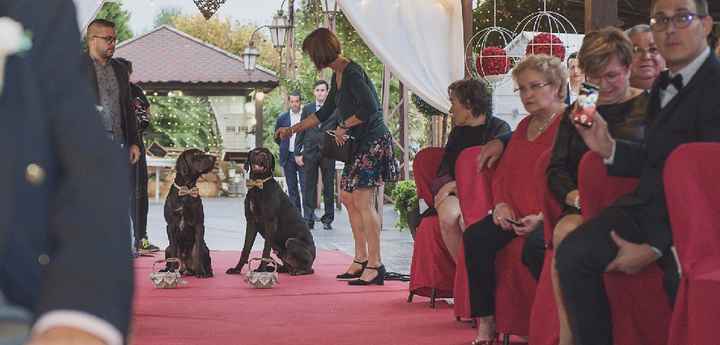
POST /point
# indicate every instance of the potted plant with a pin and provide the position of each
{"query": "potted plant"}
(406, 204)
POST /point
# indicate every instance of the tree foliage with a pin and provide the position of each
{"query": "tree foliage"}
(114, 12)
(166, 16)
(182, 122)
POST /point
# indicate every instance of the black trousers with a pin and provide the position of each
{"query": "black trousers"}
(581, 260)
(482, 241)
(310, 169)
(139, 198)
(533, 253)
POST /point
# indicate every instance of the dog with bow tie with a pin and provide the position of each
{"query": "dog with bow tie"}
(268, 211)
(185, 217)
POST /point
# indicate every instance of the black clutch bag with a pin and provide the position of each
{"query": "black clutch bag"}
(331, 150)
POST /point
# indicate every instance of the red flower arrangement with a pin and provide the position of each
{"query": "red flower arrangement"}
(546, 43)
(492, 61)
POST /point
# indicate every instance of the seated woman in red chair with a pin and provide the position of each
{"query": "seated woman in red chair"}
(542, 85)
(474, 125)
(606, 57)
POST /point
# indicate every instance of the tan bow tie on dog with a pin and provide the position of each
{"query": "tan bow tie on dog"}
(256, 183)
(183, 191)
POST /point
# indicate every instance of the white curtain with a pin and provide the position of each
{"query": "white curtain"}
(87, 10)
(421, 41)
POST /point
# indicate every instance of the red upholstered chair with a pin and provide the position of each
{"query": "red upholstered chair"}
(432, 270)
(475, 202)
(693, 195)
(544, 323)
(639, 304)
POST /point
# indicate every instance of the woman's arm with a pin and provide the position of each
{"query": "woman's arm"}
(559, 175)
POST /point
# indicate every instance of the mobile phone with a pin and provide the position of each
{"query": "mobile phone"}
(585, 106)
(514, 222)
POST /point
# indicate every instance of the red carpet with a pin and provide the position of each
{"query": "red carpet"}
(313, 309)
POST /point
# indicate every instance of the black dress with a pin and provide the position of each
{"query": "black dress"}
(625, 121)
(462, 137)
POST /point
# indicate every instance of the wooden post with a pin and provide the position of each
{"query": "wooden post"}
(387, 78)
(404, 131)
(259, 121)
(291, 41)
(467, 13)
(600, 14)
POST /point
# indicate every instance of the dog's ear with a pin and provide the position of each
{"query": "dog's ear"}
(181, 165)
(247, 164)
(272, 163)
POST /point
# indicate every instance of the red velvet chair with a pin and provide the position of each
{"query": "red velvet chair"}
(639, 304)
(432, 270)
(475, 202)
(693, 195)
(544, 323)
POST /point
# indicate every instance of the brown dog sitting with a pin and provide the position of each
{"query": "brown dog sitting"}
(185, 218)
(268, 210)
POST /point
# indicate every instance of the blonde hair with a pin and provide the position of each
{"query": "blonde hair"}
(550, 67)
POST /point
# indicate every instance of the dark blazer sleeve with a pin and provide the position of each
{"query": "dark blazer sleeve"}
(560, 179)
(629, 159)
(91, 268)
(131, 135)
(300, 137)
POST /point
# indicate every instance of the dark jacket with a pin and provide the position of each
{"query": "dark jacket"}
(128, 121)
(64, 228)
(691, 116)
(308, 143)
(625, 121)
(283, 121)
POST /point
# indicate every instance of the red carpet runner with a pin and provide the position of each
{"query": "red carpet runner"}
(306, 310)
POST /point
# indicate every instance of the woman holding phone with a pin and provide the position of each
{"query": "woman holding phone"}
(542, 85)
(372, 163)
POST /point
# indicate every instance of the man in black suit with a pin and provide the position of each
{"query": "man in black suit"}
(635, 231)
(307, 155)
(293, 172)
(64, 253)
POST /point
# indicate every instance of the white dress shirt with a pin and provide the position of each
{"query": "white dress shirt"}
(294, 119)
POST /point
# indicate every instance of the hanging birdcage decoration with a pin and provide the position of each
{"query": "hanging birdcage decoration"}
(546, 32)
(487, 48)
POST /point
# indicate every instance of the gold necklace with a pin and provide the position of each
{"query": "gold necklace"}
(545, 124)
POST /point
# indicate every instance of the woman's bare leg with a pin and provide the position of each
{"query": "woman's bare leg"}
(450, 226)
(356, 224)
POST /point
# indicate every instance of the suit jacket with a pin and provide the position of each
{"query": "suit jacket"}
(693, 115)
(64, 229)
(283, 121)
(128, 121)
(308, 143)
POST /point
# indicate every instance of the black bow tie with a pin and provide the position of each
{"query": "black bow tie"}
(664, 81)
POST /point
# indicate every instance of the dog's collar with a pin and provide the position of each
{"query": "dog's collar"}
(259, 183)
(183, 191)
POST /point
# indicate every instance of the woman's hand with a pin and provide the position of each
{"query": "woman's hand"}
(573, 198)
(340, 136)
(501, 214)
(284, 133)
(529, 222)
(444, 192)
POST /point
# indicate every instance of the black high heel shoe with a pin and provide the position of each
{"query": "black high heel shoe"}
(349, 276)
(378, 280)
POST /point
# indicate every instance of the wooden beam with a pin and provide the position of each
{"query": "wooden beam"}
(467, 13)
(404, 132)
(600, 14)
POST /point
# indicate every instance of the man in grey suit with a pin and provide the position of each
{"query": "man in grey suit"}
(635, 232)
(64, 254)
(307, 155)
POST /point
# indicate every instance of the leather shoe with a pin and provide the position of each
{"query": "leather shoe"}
(327, 226)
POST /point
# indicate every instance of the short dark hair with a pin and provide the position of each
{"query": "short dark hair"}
(570, 57)
(102, 22)
(473, 94)
(127, 63)
(322, 46)
(702, 7)
(295, 94)
(321, 82)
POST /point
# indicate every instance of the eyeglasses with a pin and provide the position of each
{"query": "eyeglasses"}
(610, 77)
(639, 51)
(108, 39)
(680, 21)
(531, 87)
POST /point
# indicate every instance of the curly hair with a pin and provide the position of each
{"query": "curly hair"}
(474, 95)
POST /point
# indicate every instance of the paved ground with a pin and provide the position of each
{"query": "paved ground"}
(225, 230)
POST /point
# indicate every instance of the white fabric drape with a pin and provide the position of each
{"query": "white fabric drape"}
(86, 11)
(421, 41)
